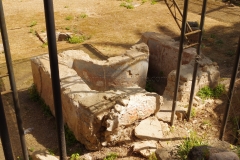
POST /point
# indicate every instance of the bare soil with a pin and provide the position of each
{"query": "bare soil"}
(113, 29)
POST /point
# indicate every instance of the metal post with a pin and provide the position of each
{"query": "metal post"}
(197, 57)
(12, 81)
(183, 29)
(6, 143)
(230, 92)
(52, 48)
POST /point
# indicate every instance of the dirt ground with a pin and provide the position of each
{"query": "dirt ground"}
(112, 29)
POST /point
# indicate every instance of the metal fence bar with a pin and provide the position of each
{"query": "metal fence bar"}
(197, 58)
(230, 92)
(6, 143)
(12, 81)
(52, 48)
(183, 30)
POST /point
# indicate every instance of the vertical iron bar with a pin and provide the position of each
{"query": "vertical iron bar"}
(196, 63)
(230, 92)
(183, 29)
(6, 143)
(52, 48)
(12, 81)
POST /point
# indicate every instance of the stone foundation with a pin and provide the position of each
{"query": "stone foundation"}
(163, 63)
(105, 103)
(95, 117)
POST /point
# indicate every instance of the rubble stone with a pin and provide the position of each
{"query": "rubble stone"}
(145, 148)
(149, 128)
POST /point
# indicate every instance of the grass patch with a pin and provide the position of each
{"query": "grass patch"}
(75, 156)
(111, 156)
(33, 23)
(207, 92)
(83, 15)
(34, 96)
(44, 45)
(188, 144)
(154, 2)
(68, 18)
(127, 5)
(67, 28)
(77, 39)
(152, 157)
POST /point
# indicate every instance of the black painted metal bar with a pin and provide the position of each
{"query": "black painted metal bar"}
(12, 81)
(183, 30)
(52, 48)
(230, 92)
(197, 58)
(6, 143)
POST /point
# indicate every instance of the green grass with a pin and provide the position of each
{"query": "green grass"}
(76, 39)
(75, 156)
(44, 45)
(154, 2)
(188, 144)
(207, 92)
(152, 157)
(193, 113)
(127, 5)
(111, 156)
(68, 18)
(83, 15)
(67, 28)
(33, 23)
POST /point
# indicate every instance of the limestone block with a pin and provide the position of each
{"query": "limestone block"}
(149, 128)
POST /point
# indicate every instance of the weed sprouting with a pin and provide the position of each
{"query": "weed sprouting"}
(111, 156)
(77, 39)
(68, 18)
(152, 157)
(67, 28)
(83, 15)
(33, 23)
(127, 4)
(188, 144)
(75, 156)
(206, 92)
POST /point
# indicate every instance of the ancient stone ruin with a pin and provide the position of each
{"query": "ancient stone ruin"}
(105, 101)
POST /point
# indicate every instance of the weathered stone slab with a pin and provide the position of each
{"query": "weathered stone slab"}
(149, 128)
